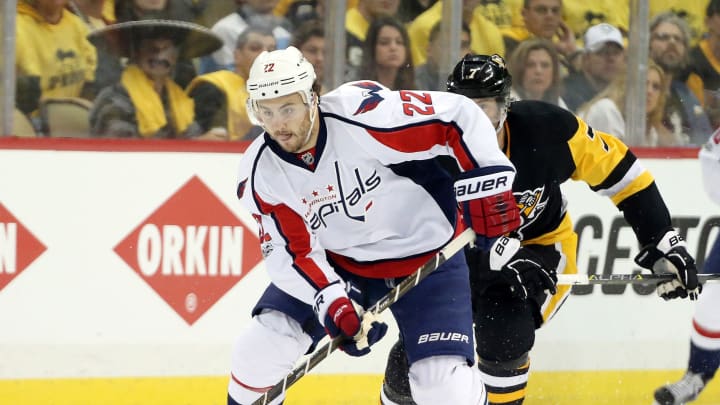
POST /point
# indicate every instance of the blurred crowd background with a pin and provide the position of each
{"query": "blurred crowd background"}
(177, 68)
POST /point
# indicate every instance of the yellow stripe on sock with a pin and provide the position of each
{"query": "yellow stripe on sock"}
(504, 398)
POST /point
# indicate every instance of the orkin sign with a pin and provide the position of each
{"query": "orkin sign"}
(18, 247)
(191, 250)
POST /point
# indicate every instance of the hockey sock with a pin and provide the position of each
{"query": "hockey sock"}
(703, 361)
(505, 386)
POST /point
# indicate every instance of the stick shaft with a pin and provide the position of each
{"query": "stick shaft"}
(584, 279)
(384, 303)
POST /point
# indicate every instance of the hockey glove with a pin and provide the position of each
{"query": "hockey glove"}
(489, 207)
(524, 271)
(338, 315)
(669, 255)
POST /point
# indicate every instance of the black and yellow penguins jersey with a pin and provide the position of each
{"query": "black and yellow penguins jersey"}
(549, 145)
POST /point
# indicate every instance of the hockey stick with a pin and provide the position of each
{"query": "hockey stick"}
(584, 279)
(384, 303)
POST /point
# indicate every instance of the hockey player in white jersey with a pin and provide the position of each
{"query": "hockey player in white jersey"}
(705, 335)
(349, 200)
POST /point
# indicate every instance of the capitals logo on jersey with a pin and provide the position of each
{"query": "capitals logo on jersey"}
(371, 98)
(347, 197)
(531, 205)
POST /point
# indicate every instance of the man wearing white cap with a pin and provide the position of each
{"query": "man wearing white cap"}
(602, 59)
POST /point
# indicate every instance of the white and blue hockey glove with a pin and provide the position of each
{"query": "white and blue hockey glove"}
(338, 315)
(669, 255)
(526, 273)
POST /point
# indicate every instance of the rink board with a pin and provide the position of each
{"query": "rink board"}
(88, 312)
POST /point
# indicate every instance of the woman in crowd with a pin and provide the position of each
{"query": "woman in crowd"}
(536, 64)
(605, 111)
(387, 55)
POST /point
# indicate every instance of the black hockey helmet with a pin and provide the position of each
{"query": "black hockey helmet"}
(480, 76)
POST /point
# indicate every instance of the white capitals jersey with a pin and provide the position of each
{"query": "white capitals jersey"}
(369, 198)
(710, 163)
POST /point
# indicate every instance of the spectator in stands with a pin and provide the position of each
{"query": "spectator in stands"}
(249, 12)
(110, 67)
(542, 19)
(220, 96)
(536, 65)
(53, 57)
(357, 21)
(691, 11)
(427, 76)
(146, 102)
(309, 38)
(601, 61)
(606, 112)
(485, 37)
(705, 63)
(387, 55)
(669, 46)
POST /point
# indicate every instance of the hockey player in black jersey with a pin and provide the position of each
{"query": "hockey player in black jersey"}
(513, 282)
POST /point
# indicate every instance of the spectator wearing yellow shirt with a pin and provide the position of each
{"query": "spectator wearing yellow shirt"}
(485, 37)
(53, 57)
(146, 102)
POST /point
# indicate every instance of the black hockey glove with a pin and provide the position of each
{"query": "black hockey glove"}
(520, 268)
(669, 255)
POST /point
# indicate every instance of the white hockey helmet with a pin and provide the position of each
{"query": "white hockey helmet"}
(279, 73)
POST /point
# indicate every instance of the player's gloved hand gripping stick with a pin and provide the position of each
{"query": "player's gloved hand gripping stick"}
(669, 254)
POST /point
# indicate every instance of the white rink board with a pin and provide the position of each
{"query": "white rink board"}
(78, 310)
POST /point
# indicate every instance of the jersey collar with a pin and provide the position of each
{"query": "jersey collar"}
(293, 158)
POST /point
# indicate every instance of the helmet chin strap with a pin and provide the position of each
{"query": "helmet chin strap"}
(503, 117)
(313, 114)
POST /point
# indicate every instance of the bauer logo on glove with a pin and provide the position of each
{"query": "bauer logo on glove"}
(526, 270)
(669, 255)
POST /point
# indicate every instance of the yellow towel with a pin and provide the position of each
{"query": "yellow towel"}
(149, 109)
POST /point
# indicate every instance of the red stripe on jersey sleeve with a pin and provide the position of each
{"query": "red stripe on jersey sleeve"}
(293, 229)
(423, 137)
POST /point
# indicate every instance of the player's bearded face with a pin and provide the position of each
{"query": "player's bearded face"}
(287, 120)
